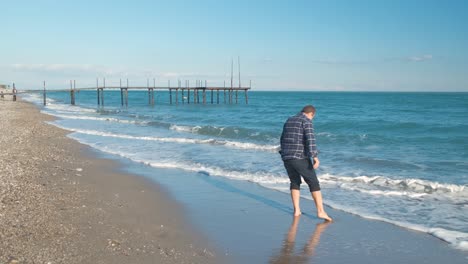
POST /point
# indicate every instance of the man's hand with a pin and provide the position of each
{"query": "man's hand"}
(316, 163)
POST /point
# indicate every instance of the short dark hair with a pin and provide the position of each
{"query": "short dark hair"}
(308, 109)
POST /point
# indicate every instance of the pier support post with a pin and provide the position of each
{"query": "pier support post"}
(97, 91)
(44, 95)
(170, 95)
(126, 97)
(217, 96)
(100, 96)
(149, 96)
(211, 96)
(74, 91)
(246, 97)
(153, 92)
(183, 98)
(179, 86)
(204, 95)
(188, 94)
(121, 94)
(236, 96)
(72, 94)
(188, 91)
(149, 92)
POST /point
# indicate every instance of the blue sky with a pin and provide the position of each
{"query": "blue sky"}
(283, 45)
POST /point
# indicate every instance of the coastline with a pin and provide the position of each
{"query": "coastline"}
(61, 204)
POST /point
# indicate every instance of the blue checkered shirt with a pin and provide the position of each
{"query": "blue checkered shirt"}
(298, 139)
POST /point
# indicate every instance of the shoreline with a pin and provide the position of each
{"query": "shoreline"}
(59, 203)
(248, 223)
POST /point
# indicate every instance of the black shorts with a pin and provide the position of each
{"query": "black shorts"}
(301, 167)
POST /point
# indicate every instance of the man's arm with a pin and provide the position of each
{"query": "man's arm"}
(310, 139)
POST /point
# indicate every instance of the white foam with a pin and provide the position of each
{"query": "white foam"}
(326, 134)
(181, 128)
(409, 186)
(383, 193)
(232, 144)
(455, 238)
(259, 177)
(106, 119)
(68, 108)
(196, 129)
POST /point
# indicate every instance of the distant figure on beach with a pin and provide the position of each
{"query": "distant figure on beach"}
(14, 93)
(299, 155)
(1, 94)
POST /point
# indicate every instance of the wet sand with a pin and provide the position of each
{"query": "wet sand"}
(59, 203)
(253, 224)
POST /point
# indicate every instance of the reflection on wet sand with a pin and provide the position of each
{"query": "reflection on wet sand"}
(288, 254)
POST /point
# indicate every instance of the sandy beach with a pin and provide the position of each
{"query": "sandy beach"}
(60, 204)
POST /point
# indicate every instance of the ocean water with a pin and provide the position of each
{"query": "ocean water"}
(401, 158)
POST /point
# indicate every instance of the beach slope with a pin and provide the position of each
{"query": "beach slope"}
(60, 204)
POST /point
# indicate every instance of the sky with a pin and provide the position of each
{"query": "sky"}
(330, 45)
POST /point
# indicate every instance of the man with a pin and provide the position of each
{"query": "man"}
(299, 154)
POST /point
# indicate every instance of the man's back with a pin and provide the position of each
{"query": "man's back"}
(297, 139)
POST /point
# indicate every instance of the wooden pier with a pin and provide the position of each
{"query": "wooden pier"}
(187, 93)
(193, 93)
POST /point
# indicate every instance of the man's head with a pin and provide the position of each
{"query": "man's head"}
(309, 111)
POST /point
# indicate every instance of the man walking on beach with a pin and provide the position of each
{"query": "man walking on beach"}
(299, 154)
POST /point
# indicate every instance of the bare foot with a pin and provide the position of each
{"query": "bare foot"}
(324, 216)
(298, 213)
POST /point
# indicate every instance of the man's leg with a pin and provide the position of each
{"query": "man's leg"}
(317, 196)
(295, 197)
(295, 179)
(305, 168)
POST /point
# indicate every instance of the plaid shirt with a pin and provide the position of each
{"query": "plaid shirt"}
(298, 139)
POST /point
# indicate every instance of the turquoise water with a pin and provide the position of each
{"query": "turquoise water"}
(396, 157)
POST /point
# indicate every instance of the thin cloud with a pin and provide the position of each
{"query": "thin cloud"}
(65, 69)
(97, 70)
(338, 62)
(266, 60)
(420, 58)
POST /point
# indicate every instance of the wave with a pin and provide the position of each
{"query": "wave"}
(52, 105)
(257, 177)
(233, 144)
(228, 132)
(106, 119)
(396, 187)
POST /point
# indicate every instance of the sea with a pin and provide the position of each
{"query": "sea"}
(397, 157)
